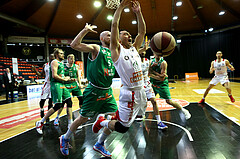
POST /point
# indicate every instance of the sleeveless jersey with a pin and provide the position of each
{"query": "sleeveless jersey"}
(220, 68)
(157, 68)
(101, 70)
(46, 70)
(129, 67)
(145, 67)
(60, 71)
(72, 73)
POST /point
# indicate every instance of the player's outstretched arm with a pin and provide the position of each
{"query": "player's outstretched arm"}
(54, 67)
(156, 75)
(229, 65)
(114, 41)
(145, 47)
(141, 25)
(82, 47)
(39, 74)
(211, 68)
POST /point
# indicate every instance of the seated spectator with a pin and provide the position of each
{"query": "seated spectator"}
(32, 81)
(22, 83)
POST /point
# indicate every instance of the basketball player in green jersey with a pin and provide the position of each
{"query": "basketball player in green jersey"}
(97, 97)
(58, 91)
(71, 70)
(159, 79)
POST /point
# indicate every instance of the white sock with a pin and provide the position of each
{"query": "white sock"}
(42, 120)
(203, 98)
(102, 138)
(68, 134)
(158, 118)
(105, 123)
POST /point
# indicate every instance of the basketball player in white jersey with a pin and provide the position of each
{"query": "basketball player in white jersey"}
(128, 65)
(219, 66)
(148, 87)
(46, 92)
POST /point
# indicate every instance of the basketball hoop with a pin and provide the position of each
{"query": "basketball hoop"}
(112, 4)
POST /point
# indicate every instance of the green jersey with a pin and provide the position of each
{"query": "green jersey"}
(72, 73)
(101, 70)
(157, 68)
(60, 71)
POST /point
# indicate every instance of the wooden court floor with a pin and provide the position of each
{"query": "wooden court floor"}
(18, 119)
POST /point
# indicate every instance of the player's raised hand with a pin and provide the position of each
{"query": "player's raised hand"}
(90, 28)
(146, 45)
(136, 6)
(125, 3)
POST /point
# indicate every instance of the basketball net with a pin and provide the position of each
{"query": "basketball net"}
(112, 4)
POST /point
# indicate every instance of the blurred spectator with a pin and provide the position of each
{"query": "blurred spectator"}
(22, 82)
(32, 81)
(8, 82)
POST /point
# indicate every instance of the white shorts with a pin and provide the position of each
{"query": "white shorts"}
(130, 102)
(46, 92)
(217, 79)
(149, 92)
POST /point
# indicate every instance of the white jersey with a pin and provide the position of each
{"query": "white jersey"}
(145, 67)
(220, 67)
(46, 70)
(129, 67)
(46, 92)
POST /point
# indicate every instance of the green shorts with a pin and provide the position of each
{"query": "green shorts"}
(162, 89)
(59, 92)
(97, 100)
(74, 89)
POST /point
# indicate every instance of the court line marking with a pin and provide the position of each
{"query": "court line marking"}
(221, 113)
(187, 132)
(184, 129)
(28, 130)
(234, 104)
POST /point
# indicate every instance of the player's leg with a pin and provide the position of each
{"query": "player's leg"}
(68, 100)
(57, 119)
(57, 99)
(228, 88)
(215, 80)
(41, 104)
(160, 124)
(86, 111)
(77, 92)
(65, 139)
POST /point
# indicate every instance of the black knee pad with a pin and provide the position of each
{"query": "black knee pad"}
(50, 105)
(69, 102)
(80, 99)
(41, 103)
(57, 106)
(120, 128)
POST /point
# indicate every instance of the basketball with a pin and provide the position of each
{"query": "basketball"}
(163, 44)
